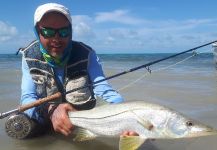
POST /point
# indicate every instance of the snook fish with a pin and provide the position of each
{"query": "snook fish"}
(150, 121)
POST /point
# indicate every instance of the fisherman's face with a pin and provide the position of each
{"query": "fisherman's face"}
(54, 43)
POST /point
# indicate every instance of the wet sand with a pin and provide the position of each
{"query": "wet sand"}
(192, 92)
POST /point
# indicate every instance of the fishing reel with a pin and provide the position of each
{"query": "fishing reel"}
(19, 126)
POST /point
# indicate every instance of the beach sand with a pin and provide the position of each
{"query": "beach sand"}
(192, 92)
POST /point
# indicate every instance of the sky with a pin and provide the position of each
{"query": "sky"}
(118, 26)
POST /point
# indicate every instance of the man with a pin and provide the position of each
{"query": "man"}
(55, 63)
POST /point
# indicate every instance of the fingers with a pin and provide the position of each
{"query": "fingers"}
(64, 131)
(60, 119)
(62, 125)
(132, 133)
(129, 133)
(125, 133)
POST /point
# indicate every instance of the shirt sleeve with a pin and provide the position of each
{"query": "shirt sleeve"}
(28, 90)
(102, 89)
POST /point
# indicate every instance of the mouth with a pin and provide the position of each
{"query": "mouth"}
(56, 49)
(56, 46)
(203, 133)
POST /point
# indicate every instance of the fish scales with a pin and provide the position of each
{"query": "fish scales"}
(112, 120)
(150, 121)
(110, 126)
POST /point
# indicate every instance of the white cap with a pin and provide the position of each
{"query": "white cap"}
(49, 7)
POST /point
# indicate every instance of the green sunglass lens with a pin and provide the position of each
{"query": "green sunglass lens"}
(64, 32)
(48, 32)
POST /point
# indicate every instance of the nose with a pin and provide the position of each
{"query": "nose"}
(56, 37)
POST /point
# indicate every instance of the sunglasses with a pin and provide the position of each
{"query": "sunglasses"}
(51, 32)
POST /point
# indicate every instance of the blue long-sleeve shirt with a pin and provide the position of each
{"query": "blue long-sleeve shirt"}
(102, 89)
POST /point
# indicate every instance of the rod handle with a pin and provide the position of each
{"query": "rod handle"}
(40, 101)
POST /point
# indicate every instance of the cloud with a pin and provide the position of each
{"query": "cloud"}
(159, 35)
(81, 18)
(82, 27)
(140, 34)
(7, 31)
(118, 16)
(130, 34)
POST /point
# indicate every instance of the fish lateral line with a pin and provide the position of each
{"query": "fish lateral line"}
(125, 111)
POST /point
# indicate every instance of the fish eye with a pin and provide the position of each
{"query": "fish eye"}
(189, 123)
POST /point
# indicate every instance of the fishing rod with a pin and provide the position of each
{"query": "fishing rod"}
(58, 94)
(140, 67)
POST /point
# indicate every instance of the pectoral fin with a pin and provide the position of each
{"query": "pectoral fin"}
(84, 135)
(130, 142)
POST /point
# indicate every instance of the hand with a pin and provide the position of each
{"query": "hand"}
(129, 133)
(60, 119)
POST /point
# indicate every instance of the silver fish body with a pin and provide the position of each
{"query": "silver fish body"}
(150, 121)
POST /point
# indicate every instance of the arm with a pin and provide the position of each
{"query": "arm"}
(28, 92)
(59, 117)
(59, 113)
(102, 89)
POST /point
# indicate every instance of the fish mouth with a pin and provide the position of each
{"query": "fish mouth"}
(202, 133)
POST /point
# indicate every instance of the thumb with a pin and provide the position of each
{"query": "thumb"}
(69, 107)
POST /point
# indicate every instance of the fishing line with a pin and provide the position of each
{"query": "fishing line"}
(157, 70)
(58, 94)
(139, 67)
(160, 69)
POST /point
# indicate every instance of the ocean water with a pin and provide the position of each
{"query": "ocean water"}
(186, 85)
